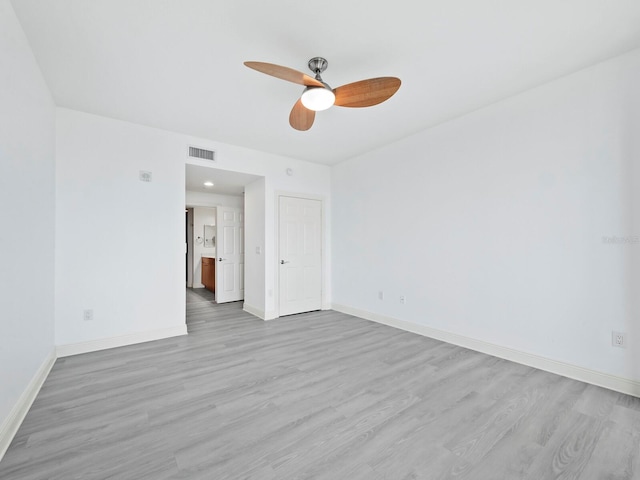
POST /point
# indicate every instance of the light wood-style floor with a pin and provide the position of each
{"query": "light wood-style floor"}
(316, 396)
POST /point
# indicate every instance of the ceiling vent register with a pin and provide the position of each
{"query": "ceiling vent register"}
(196, 152)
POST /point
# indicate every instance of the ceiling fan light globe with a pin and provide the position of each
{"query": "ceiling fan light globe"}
(318, 98)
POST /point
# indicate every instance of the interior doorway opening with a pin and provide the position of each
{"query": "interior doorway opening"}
(202, 247)
(214, 244)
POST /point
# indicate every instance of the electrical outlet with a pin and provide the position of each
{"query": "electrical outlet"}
(88, 315)
(403, 299)
(380, 295)
(619, 339)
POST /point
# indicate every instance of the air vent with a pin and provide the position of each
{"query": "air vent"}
(202, 153)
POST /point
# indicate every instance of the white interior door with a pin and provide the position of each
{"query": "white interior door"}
(300, 250)
(230, 253)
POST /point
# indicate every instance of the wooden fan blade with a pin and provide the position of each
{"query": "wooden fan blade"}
(284, 73)
(301, 118)
(366, 93)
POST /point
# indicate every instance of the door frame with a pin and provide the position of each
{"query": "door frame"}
(323, 241)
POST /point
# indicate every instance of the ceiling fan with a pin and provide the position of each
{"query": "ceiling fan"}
(318, 95)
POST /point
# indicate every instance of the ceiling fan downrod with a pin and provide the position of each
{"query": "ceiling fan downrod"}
(318, 65)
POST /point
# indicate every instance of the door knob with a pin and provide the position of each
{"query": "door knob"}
(221, 259)
(282, 262)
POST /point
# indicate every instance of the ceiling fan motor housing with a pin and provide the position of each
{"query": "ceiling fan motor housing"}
(318, 65)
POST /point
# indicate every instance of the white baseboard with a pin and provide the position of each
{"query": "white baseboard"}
(612, 382)
(12, 423)
(253, 310)
(120, 341)
(258, 312)
(271, 315)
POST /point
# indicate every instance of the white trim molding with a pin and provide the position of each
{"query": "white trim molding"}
(611, 382)
(257, 312)
(271, 315)
(13, 421)
(120, 341)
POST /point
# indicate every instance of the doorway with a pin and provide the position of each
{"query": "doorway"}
(215, 247)
(204, 247)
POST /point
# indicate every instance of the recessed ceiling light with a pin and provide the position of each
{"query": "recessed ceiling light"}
(208, 184)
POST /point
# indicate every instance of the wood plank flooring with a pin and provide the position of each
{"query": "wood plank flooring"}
(320, 396)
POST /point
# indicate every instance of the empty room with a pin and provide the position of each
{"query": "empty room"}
(340, 240)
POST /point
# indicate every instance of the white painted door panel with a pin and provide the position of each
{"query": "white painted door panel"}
(230, 252)
(300, 249)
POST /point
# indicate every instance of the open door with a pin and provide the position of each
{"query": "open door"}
(230, 250)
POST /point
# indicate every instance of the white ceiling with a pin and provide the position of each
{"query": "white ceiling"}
(178, 65)
(224, 182)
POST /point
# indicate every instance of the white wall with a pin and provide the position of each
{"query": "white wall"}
(254, 239)
(202, 199)
(120, 241)
(27, 214)
(492, 224)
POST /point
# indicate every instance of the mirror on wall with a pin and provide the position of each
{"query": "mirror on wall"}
(209, 236)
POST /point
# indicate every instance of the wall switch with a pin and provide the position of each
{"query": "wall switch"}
(88, 315)
(403, 299)
(258, 250)
(619, 339)
(380, 295)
